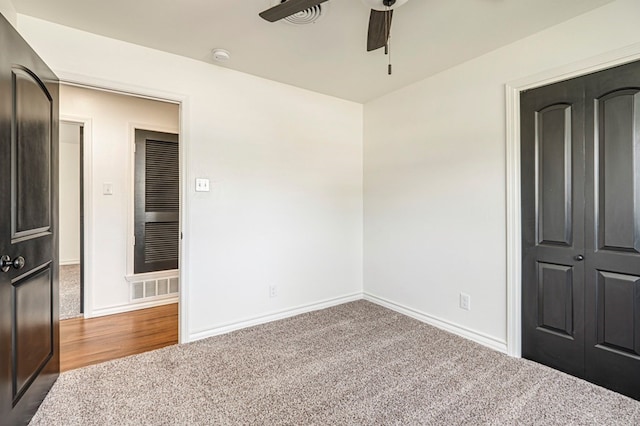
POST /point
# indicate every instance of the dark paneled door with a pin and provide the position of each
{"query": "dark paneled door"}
(552, 152)
(29, 362)
(613, 229)
(580, 150)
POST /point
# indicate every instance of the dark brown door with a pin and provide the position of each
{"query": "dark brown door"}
(157, 201)
(580, 149)
(613, 229)
(29, 361)
(552, 152)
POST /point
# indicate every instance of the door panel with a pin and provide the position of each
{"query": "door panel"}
(555, 299)
(612, 304)
(616, 159)
(618, 322)
(31, 155)
(553, 226)
(553, 168)
(29, 331)
(32, 329)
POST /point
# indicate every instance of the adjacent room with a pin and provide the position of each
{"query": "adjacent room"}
(128, 147)
(386, 212)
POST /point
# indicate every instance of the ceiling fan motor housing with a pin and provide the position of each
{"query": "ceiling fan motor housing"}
(384, 4)
(307, 16)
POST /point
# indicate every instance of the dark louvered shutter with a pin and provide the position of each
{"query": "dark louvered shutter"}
(157, 201)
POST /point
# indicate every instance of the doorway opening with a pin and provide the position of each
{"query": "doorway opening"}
(117, 185)
(71, 214)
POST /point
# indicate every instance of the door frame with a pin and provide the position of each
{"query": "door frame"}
(183, 103)
(513, 184)
(86, 224)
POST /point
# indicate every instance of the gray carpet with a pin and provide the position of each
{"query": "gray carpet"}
(356, 363)
(69, 291)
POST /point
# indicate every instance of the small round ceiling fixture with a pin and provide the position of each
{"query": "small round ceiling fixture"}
(380, 4)
(221, 55)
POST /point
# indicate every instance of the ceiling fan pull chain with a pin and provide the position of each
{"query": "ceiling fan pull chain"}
(387, 47)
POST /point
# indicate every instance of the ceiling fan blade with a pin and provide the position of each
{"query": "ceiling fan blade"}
(288, 8)
(379, 27)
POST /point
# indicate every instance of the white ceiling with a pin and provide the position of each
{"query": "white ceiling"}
(328, 56)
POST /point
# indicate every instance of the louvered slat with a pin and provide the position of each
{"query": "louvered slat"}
(162, 177)
(161, 241)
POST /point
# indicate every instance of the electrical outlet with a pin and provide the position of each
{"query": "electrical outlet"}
(465, 302)
(273, 291)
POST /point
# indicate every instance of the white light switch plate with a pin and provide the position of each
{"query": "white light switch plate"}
(202, 185)
(107, 188)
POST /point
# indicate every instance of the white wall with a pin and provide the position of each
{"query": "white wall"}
(113, 118)
(8, 11)
(286, 169)
(69, 193)
(285, 164)
(434, 165)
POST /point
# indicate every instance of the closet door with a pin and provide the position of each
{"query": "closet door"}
(552, 152)
(612, 259)
(157, 201)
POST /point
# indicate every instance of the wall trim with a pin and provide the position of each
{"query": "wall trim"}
(273, 316)
(72, 78)
(152, 275)
(514, 220)
(120, 309)
(69, 262)
(476, 336)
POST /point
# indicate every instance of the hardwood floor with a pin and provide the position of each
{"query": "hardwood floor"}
(90, 341)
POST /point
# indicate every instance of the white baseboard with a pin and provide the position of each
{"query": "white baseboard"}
(69, 262)
(131, 307)
(478, 337)
(274, 316)
(486, 340)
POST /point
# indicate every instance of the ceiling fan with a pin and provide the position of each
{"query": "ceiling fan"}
(379, 19)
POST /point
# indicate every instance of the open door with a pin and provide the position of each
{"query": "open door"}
(29, 355)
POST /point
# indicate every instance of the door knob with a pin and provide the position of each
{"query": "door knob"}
(6, 263)
(579, 258)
